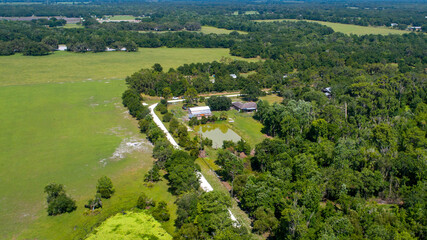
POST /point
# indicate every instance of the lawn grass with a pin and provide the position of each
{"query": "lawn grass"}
(209, 29)
(57, 125)
(70, 67)
(348, 28)
(272, 98)
(247, 127)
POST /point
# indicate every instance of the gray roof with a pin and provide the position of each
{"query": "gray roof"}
(245, 106)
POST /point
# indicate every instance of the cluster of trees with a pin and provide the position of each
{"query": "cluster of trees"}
(205, 216)
(376, 13)
(204, 120)
(58, 201)
(158, 210)
(334, 157)
(219, 103)
(51, 22)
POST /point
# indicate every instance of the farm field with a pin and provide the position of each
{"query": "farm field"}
(71, 67)
(348, 28)
(61, 127)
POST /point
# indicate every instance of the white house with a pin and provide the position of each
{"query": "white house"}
(233, 76)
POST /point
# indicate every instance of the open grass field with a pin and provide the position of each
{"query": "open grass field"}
(209, 29)
(68, 67)
(58, 126)
(73, 25)
(348, 28)
(121, 17)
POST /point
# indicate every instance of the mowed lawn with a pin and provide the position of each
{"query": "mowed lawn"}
(59, 126)
(347, 28)
(67, 66)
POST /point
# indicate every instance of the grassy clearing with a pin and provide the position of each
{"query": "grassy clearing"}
(347, 28)
(209, 29)
(57, 126)
(67, 136)
(272, 98)
(247, 127)
(121, 17)
(70, 67)
(73, 25)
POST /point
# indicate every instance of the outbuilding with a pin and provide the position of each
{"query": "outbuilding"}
(245, 107)
(199, 112)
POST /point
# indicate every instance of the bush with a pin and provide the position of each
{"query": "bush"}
(160, 212)
(167, 117)
(105, 187)
(144, 202)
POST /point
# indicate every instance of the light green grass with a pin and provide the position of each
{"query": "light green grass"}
(272, 98)
(67, 66)
(247, 127)
(60, 133)
(209, 29)
(73, 25)
(121, 17)
(347, 28)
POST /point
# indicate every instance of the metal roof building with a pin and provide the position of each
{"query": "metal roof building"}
(199, 112)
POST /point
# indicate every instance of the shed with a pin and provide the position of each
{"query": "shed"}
(245, 107)
(199, 112)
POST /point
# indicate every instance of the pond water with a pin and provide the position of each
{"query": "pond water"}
(217, 133)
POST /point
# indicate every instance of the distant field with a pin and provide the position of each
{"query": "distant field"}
(209, 29)
(59, 126)
(71, 67)
(122, 17)
(205, 30)
(73, 25)
(348, 28)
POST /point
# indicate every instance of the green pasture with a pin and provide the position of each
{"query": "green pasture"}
(347, 28)
(121, 17)
(209, 29)
(62, 121)
(73, 25)
(71, 67)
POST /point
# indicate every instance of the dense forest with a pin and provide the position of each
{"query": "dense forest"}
(345, 155)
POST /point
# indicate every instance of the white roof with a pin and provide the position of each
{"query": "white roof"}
(202, 108)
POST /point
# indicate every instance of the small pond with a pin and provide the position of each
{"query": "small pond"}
(217, 133)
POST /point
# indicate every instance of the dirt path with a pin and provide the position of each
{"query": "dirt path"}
(204, 184)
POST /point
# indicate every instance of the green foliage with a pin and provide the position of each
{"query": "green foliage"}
(160, 212)
(153, 175)
(94, 203)
(144, 202)
(167, 117)
(219, 103)
(265, 220)
(130, 226)
(105, 187)
(57, 200)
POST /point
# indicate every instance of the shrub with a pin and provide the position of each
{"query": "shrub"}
(105, 187)
(167, 117)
